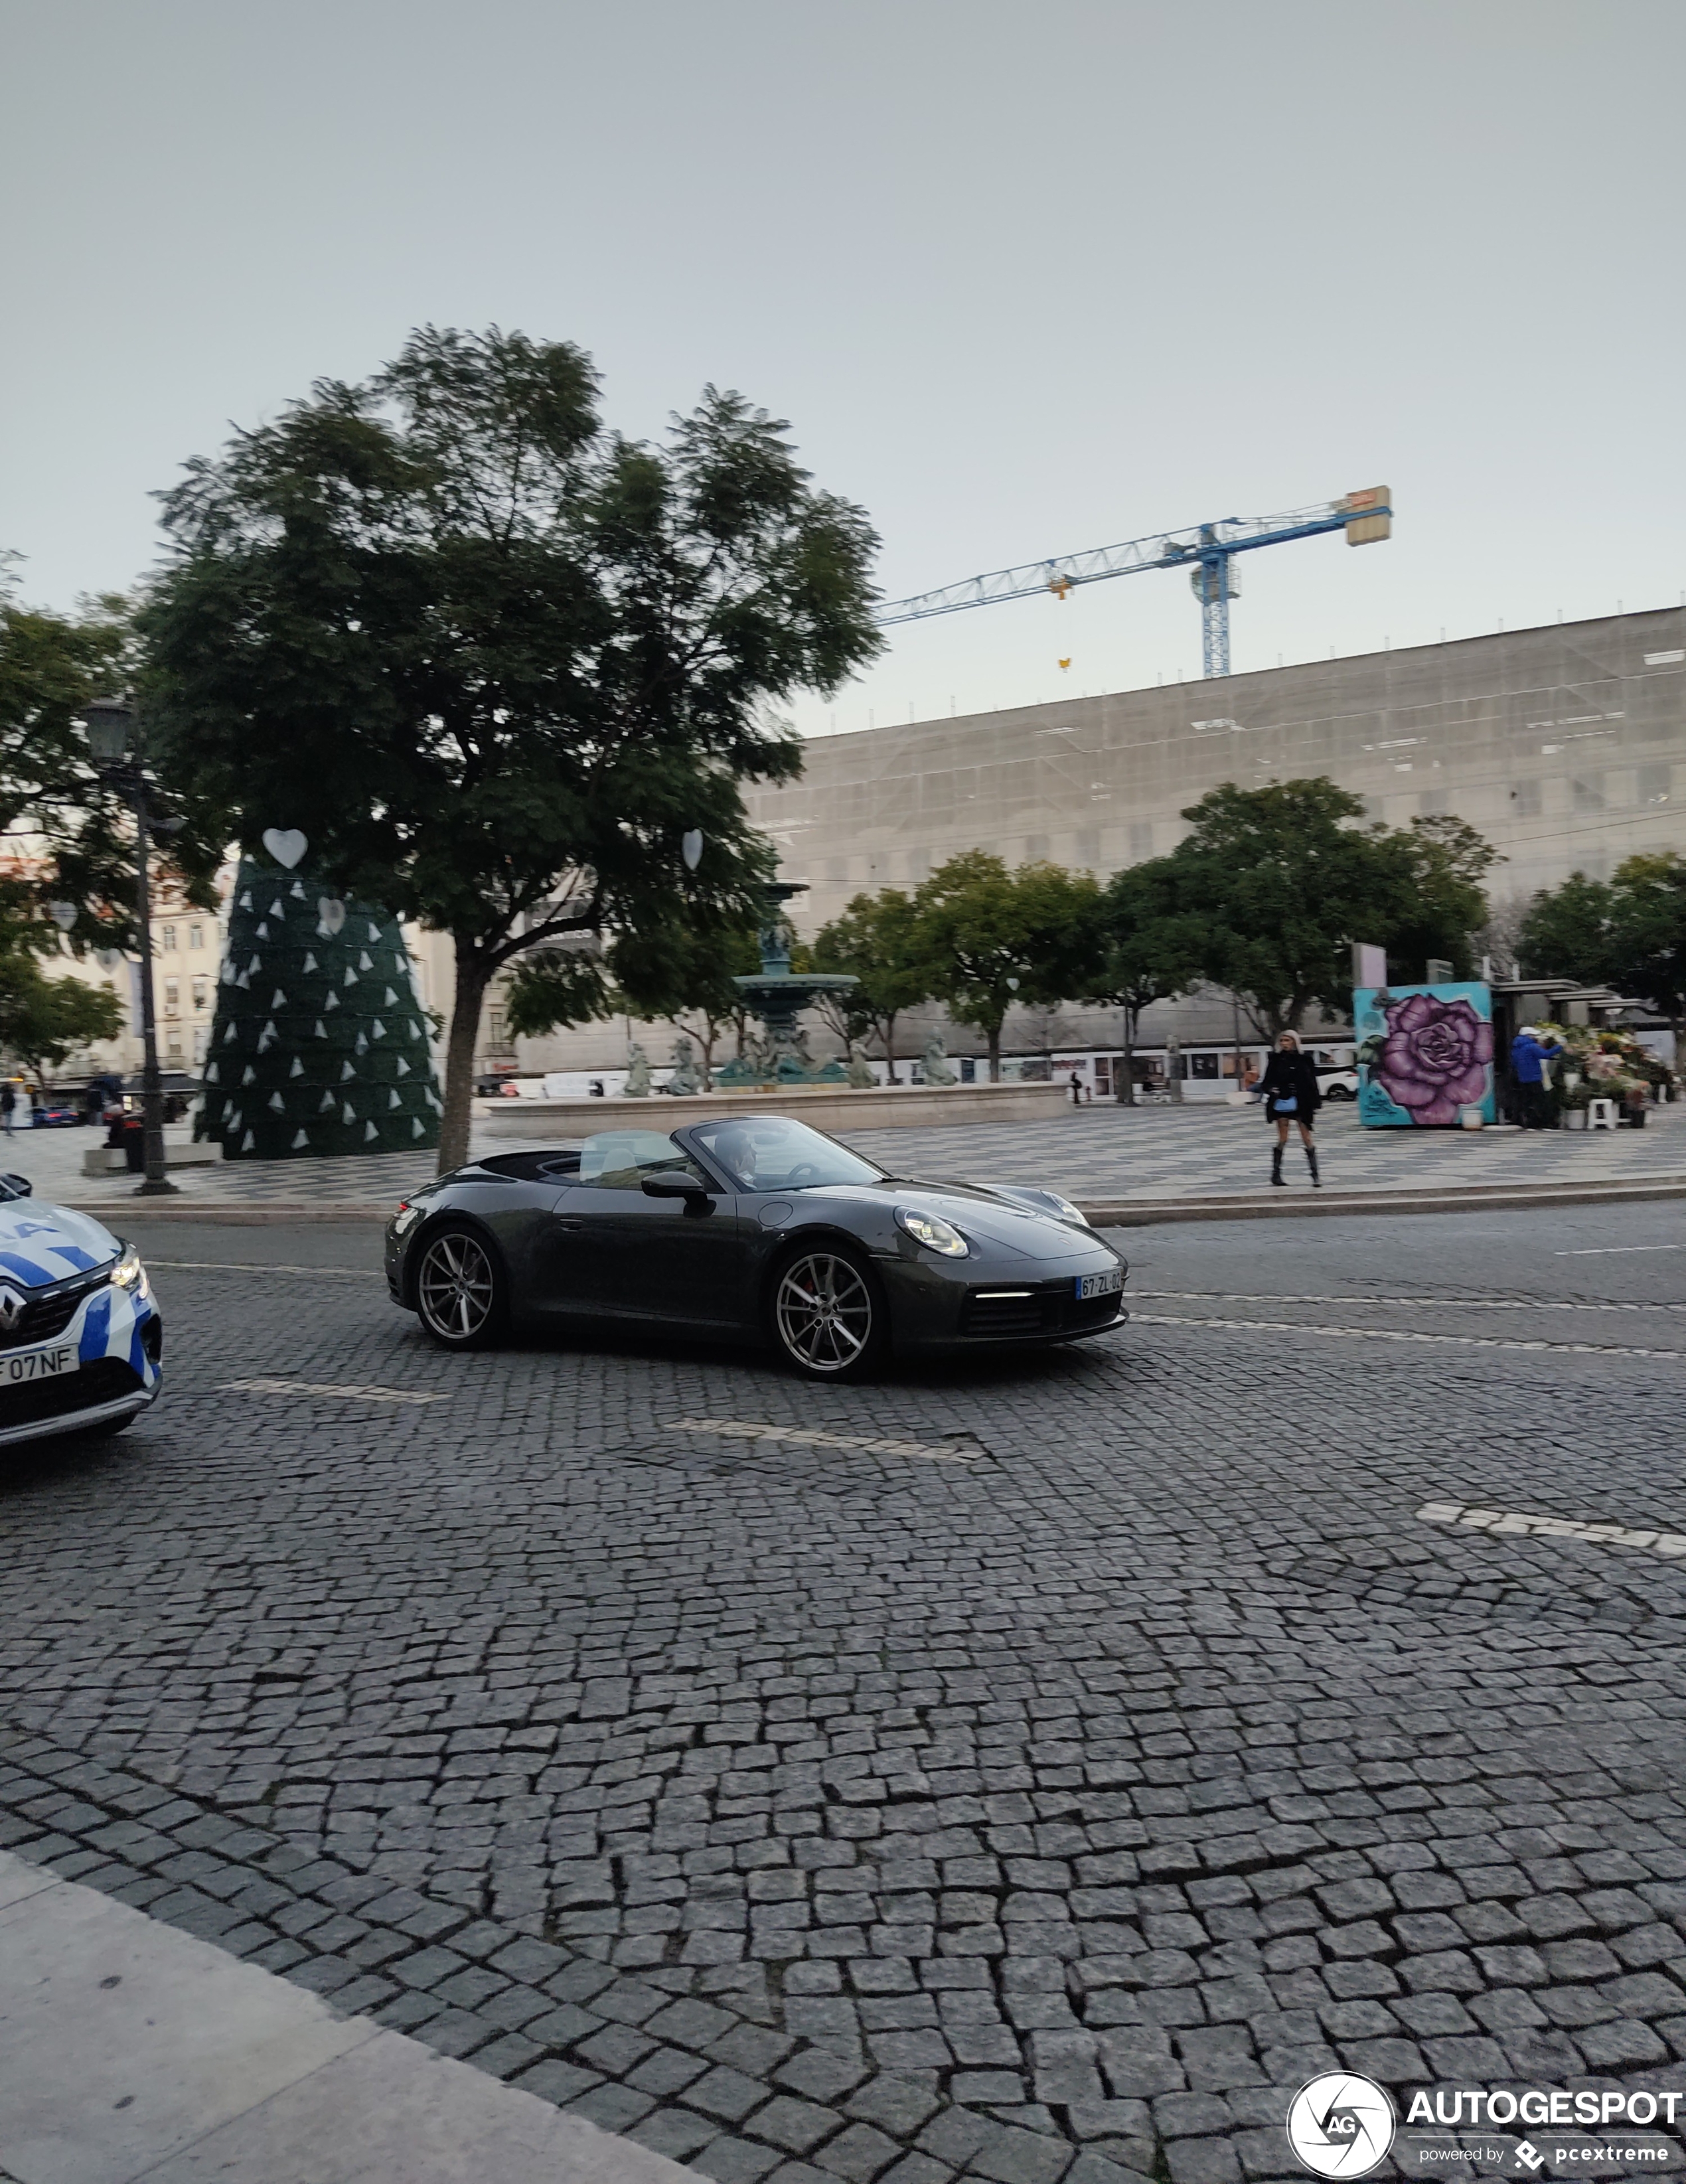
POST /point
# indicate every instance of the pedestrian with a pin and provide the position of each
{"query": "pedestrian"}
(8, 1106)
(1076, 1090)
(1528, 1056)
(1290, 1092)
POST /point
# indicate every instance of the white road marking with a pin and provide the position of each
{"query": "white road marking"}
(248, 1267)
(746, 1429)
(1611, 1250)
(1462, 1304)
(360, 1395)
(1514, 1521)
(1403, 1335)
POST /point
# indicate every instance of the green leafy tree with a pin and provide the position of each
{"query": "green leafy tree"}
(1276, 883)
(682, 974)
(1145, 952)
(494, 661)
(877, 940)
(1648, 936)
(44, 1021)
(1567, 932)
(76, 830)
(989, 938)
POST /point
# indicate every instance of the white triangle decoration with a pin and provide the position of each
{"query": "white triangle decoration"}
(393, 1101)
(251, 1075)
(262, 932)
(350, 976)
(227, 970)
(256, 964)
(368, 1131)
(373, 930)
(211, 1077)
(296, 891)
(403, 1066)
(278, 999)
(362, 1046)
(415, 1030)
(346, 1072)
(245, 1142)
(244, 982)
(366, 962)
(377, 1029)
(297, 1068)
(277, 908)
(299, 1141)
(309, 960)
(332, 1001)
(417, 1128)
(267, 1036)
(327, 1106)
(346, 1115)
(231, 1033)
(321, 1030)
(277, 1103)
(391, 1001)
(246, 900)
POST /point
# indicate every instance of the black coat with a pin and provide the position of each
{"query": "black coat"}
(1290, 1076)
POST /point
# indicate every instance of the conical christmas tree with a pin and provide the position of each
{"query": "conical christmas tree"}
(320, 1045)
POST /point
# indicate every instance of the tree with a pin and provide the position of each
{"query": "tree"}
(877, 940)
(1648, 936)
(1276, 883)
(78, 830)
(989, 938)
(494, 661)
(1145, 952)
(43, 1020)
(683, 974)
(1567, 932)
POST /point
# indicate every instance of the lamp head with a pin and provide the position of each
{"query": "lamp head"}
(109, 722)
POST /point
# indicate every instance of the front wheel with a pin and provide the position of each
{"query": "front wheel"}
(461, 1292)
(829, 1319)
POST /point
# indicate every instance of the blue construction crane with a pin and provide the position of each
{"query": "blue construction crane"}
(1205, 550)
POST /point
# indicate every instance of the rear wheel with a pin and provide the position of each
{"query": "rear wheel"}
(461, 1291)
(828, 1315)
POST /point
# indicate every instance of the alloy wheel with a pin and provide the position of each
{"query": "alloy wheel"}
(456, 1287)
(824, 1312)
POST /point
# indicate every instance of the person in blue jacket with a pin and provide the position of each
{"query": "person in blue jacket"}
(1528, 1056)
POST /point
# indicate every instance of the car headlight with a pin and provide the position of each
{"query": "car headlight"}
(1066, 1210)
(936, 1235)
(130, 1275)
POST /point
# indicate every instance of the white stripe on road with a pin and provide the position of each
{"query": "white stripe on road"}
(355, 1393)
(1611, 1250)
(1402, 1334)
(745, 1429)
(1462, 1304)
(1515, 1522)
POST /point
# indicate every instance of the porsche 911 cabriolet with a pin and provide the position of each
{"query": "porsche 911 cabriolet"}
(753, 1227)
(80, 1339)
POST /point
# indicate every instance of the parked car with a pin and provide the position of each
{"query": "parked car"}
(1339, 1082)
(81, 1338)
(747, 1228)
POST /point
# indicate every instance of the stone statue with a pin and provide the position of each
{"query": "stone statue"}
(686, 1076)
(939, 1069)
(637, 1085)
(862, 1076)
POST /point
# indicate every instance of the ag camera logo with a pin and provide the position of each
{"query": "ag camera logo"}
(1341, 2125)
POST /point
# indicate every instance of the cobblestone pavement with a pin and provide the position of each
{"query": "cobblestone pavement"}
(1041, 1809)
(1099, 1151)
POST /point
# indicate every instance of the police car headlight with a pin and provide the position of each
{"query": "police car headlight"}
(936, 1235)
(130, 1275)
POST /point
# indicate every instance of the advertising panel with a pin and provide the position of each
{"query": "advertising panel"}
(1425, 1054)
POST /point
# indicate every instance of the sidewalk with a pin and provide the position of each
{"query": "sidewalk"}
(130, 2050)
(1158, 1159)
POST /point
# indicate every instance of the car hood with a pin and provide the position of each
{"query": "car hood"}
(993, 1220)
(41, 1244)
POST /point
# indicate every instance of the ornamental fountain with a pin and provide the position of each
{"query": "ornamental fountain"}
(777, 995)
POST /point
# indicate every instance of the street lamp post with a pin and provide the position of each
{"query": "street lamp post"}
(111, 727)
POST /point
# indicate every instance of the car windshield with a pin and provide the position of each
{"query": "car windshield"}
(624, 1152)
(775, 1154)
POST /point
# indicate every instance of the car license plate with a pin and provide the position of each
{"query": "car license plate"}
(1094, 1285)
(38, 1364)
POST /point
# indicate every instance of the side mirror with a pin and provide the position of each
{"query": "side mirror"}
(17, 1186)
(671, 1185)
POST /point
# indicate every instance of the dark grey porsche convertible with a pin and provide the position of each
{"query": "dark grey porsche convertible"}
(755, 1226)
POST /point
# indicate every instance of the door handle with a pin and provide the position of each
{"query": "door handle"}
(568, 1220)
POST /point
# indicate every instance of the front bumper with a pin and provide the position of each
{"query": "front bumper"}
(957, 1305)
(118, 1336)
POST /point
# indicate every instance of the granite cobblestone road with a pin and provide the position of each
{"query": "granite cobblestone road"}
(816, 1812)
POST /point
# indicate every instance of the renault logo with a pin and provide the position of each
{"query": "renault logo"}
(12, 1308)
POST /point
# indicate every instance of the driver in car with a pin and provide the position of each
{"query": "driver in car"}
(736, 1150)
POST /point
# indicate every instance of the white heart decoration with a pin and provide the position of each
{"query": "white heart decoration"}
(287, 846)
(331, 913)
(691, 847)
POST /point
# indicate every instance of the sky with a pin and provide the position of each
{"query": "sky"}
(1024, 280)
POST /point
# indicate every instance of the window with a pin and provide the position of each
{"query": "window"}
(199, 989)
(174, 1049)
(172, 996)
(1203, 1064)
(167, 940)
(620, 1160)
(777, 1154)
(196, 936)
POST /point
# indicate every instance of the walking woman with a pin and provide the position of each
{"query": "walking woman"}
(1291, 1095)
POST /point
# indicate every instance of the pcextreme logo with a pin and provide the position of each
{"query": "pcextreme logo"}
(1341, 2125)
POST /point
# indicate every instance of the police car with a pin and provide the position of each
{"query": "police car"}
(80, 1335)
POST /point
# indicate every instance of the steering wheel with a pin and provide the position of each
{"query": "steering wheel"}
(804, 1173)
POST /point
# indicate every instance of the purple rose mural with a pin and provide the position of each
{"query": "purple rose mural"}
(1435, 1057)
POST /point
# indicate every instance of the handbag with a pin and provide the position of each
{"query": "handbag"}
(1288, 1107)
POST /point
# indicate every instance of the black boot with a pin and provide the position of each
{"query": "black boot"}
(1311, 1162)
(1276, 1165)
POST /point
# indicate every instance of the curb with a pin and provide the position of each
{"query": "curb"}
(1482, 1198)
(215, 1213)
